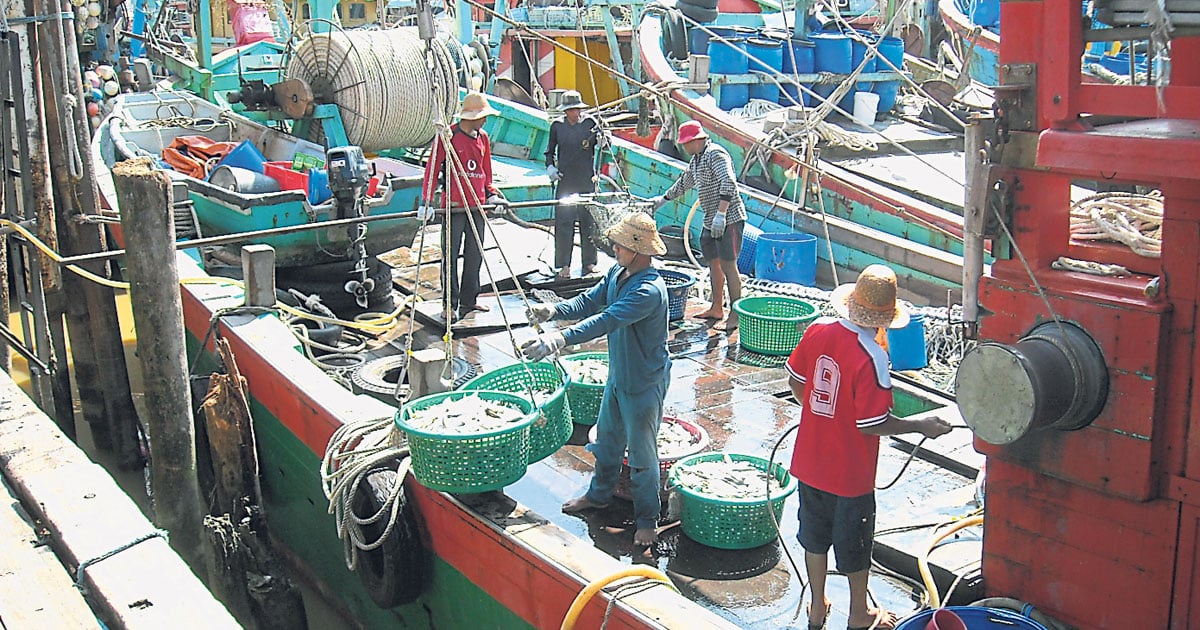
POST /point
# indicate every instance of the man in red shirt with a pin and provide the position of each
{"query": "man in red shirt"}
(839, 374)
(468, 171)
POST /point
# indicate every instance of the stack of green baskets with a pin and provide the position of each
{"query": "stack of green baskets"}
(552, 428)
(773, 324)
(584, 398)
(731, 523)
(473, 462)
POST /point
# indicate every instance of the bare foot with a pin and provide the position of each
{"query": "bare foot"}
(877, 619)
(565, 274)
(821, 614)
(589, 270)
(645, 537)
(482, 308)
(580, 504)
(712, 313)
(729, 325)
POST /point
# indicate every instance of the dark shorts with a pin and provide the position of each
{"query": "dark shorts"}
(845, 523)
(725, 248)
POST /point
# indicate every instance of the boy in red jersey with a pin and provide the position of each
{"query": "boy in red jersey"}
(839, 374)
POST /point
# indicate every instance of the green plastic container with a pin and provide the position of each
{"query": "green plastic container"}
(773, 324)
(727, 523)
(584, 398)
(476, 462)
(552, 428)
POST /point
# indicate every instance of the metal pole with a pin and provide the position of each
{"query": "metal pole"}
(974, 217)
(144, 196)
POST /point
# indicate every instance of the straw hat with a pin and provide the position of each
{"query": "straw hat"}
(691, 130)
(475, 106)
(637, 233)
(871, 301)
(571, 100)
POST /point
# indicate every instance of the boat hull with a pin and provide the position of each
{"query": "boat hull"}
(982, 47)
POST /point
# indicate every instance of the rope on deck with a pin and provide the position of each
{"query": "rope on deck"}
(1129, 218)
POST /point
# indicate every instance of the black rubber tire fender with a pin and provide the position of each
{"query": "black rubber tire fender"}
(701, 14)
(674, 35)
(397, 572)
(699, 4)
(329, 282)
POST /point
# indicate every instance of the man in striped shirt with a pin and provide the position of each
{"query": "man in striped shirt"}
(711, 172)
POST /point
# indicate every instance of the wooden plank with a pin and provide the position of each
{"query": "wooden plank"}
(35, 590)
(142, 584)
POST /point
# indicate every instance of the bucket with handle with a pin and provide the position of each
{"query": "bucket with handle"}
(786, 257)
(865, 104)
(973, 617)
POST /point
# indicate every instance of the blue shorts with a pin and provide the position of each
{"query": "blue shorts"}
(845, 523)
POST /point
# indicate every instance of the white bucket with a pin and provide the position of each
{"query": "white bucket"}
(865, 106)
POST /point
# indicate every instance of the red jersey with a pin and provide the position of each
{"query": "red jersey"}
(846, 387)
(475, 155)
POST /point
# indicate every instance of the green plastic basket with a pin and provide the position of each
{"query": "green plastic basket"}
(552, 428)
(476, 462)
(773, 324)
(584, 398)
(730, 523)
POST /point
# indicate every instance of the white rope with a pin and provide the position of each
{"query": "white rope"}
(1132, 219)
(382, 82)
(356, 450)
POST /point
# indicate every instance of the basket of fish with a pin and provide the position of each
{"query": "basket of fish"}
(676, 439)
(589, 373)
(724, 498)
(466, 442)
(546, 385)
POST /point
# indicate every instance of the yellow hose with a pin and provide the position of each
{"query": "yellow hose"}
(935, 600)
(594, 587)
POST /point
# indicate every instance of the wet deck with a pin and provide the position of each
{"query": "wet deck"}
(744, 408)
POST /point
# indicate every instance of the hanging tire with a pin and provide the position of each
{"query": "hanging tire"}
(395, 573)
(674, 35)
(701, 14)
(699, 4)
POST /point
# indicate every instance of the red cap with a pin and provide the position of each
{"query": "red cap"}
(691, 130)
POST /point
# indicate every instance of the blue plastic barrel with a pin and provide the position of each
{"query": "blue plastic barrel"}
(697, 40)
(831, 54)
(858, 51)
(797, 59)
(976, 618)
(907, 345)
(786, 257)
(728, 57)
(745, 261)
(985, 13)
(766, 56)
(892, 49)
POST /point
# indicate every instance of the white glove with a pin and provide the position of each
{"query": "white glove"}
(659, 202)
(543, 346)
(552, 171)
(499, 205)
(425, 212)
(718, 225)
(538, 313)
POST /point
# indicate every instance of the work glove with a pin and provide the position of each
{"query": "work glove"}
(543, 346)
(659, 202)
(552, 171)
(718, 225)
(425, 212)
(538, 313)
(499, 205)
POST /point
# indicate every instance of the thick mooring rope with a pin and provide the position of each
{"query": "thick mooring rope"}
(1132, 219)
(382, 83)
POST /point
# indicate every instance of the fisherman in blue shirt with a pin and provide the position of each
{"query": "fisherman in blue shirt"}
(629, 304)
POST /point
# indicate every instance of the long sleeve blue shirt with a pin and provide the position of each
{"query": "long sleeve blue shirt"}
(633, 314)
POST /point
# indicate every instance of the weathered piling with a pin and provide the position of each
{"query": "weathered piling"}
(144, 196)
(98, 353)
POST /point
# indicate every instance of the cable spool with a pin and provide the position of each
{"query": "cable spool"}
(387, 88)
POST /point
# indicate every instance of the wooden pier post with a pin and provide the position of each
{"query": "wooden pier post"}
(145, 199)
(98, 353)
